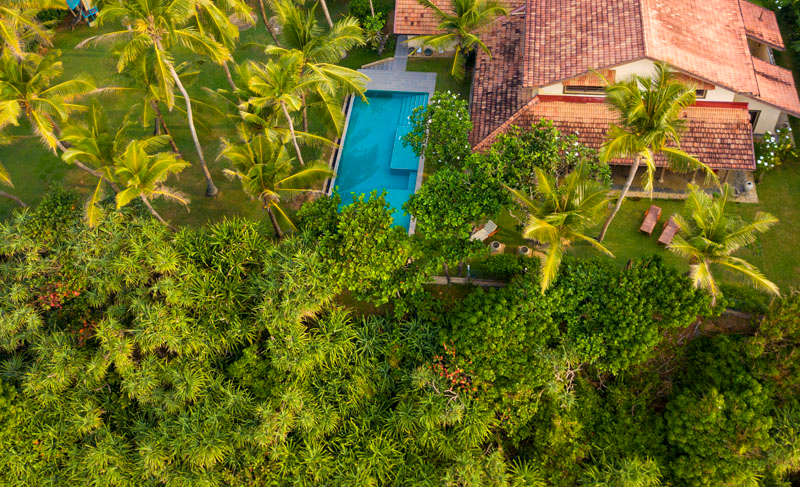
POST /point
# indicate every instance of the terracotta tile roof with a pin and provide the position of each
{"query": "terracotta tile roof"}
(776, 87)
(761, 24)
(719, 134)
(410, 17)
(566, 39)
(703, 38)
(688, 80)
(496, 90)
(592, 79)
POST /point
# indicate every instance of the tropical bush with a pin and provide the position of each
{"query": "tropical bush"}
(440, 131)
(774, 150)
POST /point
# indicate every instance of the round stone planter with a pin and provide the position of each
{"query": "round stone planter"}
(496, 247)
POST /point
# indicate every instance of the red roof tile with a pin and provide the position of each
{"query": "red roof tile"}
(776, 87)
(703, 38)
(718, 134)
(761, 24)
(566, 39)
(495, 91)
(411, 17)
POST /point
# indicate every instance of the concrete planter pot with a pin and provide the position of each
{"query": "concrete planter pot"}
(497, 247)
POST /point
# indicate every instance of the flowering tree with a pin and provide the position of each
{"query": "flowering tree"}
(441, 130)
(774, 150)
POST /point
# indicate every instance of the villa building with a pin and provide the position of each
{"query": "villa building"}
(547, 54)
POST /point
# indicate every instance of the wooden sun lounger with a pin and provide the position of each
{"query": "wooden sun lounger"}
(651, 217)
(485, 231)
(670, 229)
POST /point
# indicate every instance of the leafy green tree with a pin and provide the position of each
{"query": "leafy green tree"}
(560, 213)
(718, 420)
(265, 170)
(515, 154)
(462, 24)
(440, 130)
(159, 26)
(649, 111)
(367, 253)
(709, 236)
(447, 207)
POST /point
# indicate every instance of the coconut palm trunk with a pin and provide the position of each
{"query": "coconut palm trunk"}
(624, 192)
(86, 168)
(294, 136)
(155, 213)
(164, 128)
(265, 19)
(228, 75)
(324, 5)
(371, 8)
(13, 198)
(274, 220)
(211, 189)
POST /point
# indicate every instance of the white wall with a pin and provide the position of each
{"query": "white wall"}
(642, 67)
(768, 118)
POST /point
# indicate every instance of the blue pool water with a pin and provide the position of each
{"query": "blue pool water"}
(373, 156)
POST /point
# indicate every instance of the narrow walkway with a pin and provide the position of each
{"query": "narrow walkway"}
(391, 75)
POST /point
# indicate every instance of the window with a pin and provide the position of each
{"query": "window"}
(584, 90)
(700, 94)
(754, 114)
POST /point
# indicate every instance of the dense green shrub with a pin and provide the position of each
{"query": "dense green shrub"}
(441, 131)
(502, 266)
(745, 298)
(515, 154)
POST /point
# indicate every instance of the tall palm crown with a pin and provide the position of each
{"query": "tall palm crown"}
(266, 173)
(281, 84)
(158, 26)
(94, 141)
(141, 170)
(18, 25)
(649, 111)
(461, 29)
(709, 236)
(27, 89)
(321, 49)
(560, 213)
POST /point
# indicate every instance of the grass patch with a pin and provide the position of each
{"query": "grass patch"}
(774, 253)
(444, 81)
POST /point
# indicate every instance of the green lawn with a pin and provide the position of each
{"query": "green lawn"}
(34, 169)
(444, 81)
(775, 254)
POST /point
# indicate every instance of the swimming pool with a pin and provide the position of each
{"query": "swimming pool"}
(373, 156)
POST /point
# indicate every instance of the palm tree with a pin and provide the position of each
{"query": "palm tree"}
(266, 172)
(18, 26)
(97, 143)
(265, 19)
(321, 52)
(649, 109)
(141, 170)
(212, 19)
(708, 236)
(281, 83)
(461, 29)
(27, 90)
(5, 178)
(141, 80)
(158, 26)
(560, 213)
